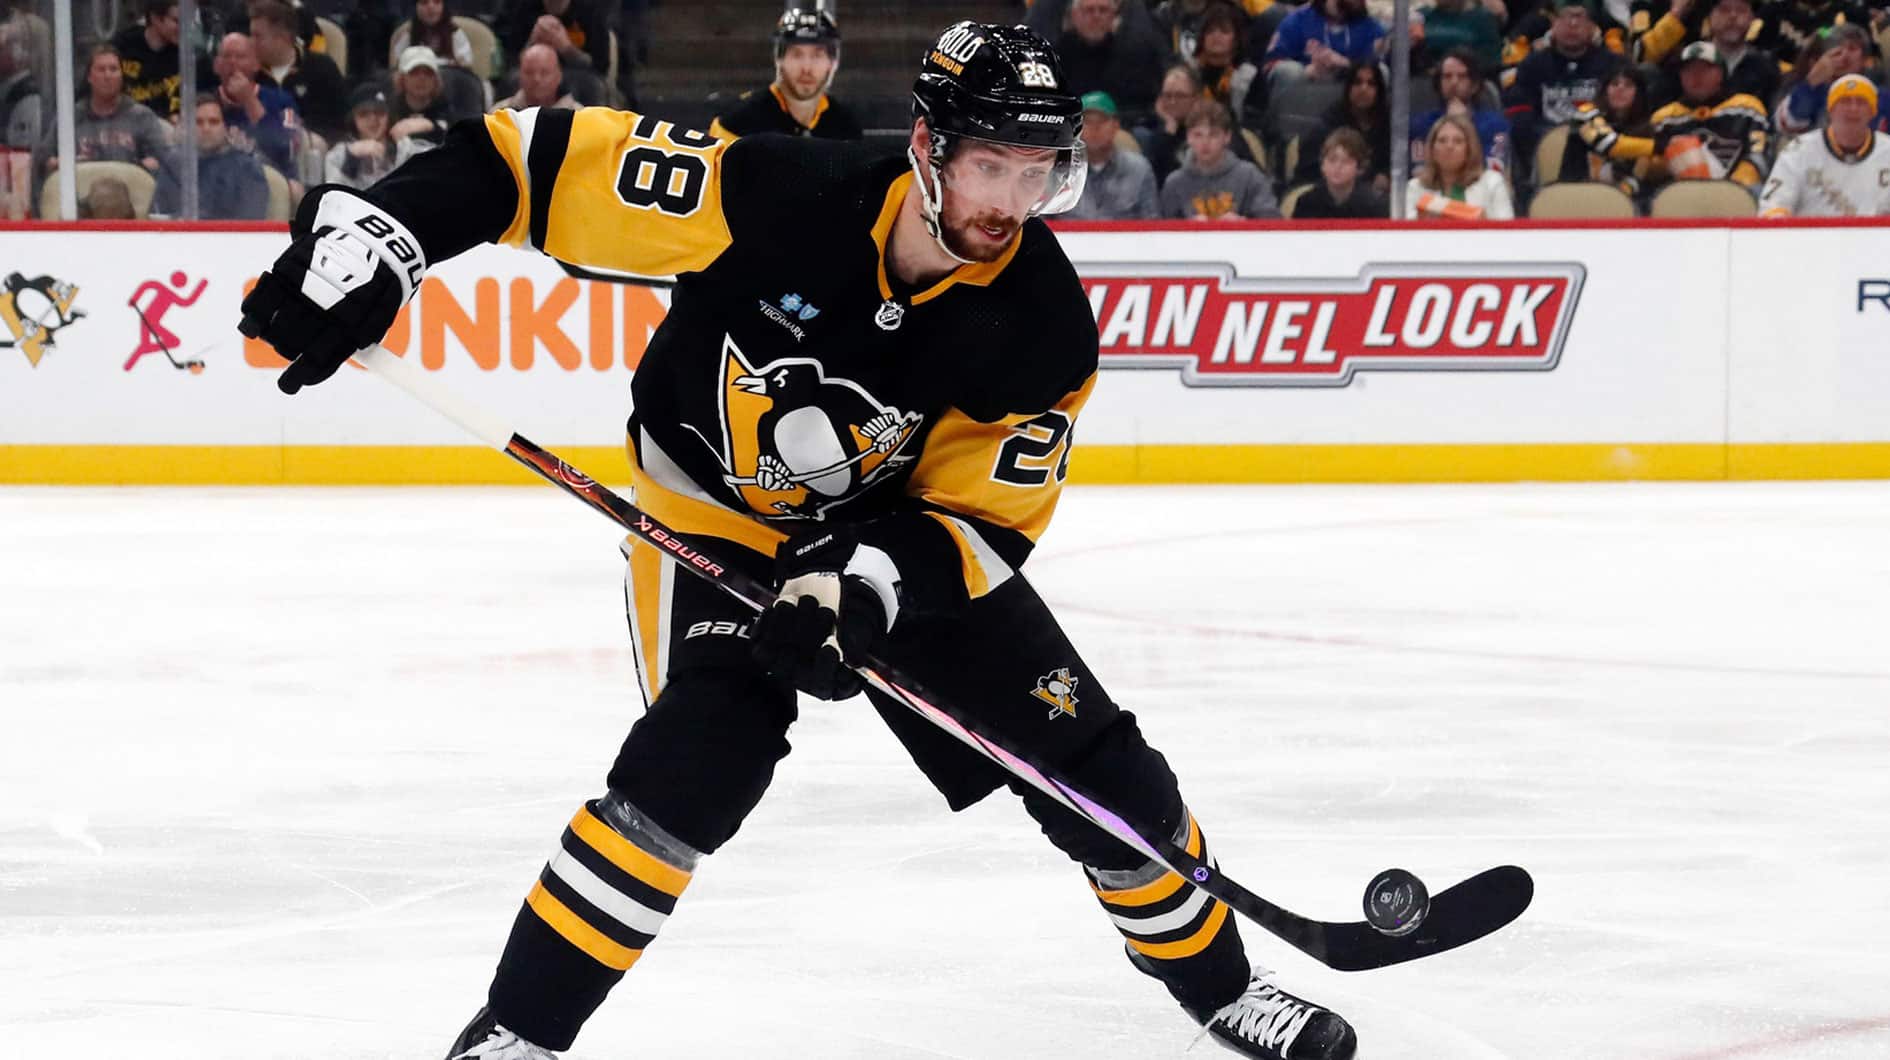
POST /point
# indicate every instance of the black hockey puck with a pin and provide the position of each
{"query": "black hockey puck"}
(1395, 902)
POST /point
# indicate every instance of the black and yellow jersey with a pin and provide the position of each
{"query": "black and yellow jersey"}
(795, 378)
(763, 110)
(1732, 130)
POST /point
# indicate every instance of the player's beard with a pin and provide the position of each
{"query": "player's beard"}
(803, 90)
(965, 236)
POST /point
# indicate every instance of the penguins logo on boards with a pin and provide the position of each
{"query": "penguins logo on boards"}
(33, 311)
(796, 441)
(1058, 688)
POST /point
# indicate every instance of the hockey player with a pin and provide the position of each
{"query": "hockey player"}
(1842, 170)
(880, 420)
(806, 56)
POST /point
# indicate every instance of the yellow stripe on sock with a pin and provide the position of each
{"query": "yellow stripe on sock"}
(1150, 893)
(575, 931)
(1188, 947)
(627, 855)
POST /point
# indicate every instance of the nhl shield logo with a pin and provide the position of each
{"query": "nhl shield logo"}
(1058, 688)
(891, 314)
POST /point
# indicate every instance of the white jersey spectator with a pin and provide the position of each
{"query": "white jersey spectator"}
(1840, 171)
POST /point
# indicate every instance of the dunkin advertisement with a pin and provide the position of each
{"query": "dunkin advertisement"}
(1392, 341)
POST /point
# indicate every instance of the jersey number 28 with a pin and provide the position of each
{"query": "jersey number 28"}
(666, 170)
(1030, 455)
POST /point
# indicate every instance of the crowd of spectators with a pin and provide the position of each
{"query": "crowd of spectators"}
(1197, 109)
(1515, 95)
(289, 93)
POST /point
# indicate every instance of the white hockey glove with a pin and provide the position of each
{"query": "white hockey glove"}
(336, 289)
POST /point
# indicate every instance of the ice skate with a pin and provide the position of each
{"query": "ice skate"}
(1269, 1022)
(484, 1039)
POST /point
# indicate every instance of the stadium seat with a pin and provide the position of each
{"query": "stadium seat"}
(1549, 155)
(1257, 148)
(138, 180)
(1299, 108)
(1290, 201)
(280, 203)
(334, 43)
(485, 46)
(1703, 198)
(1581, 199)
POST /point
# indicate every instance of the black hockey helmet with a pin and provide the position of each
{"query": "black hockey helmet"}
(1002, 85)
(806, 26)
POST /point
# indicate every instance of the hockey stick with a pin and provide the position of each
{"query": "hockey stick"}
(1459, 914)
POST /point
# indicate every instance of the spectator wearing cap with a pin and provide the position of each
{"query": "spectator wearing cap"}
(1120, 184)
(1553, 82)
(230, 181)
(1710, 133)
(1105, 46)
(419, 109)
(796, 102)
(540, 82)
(1459, 86)
(1322, 40)
(575, 29)
(312, 80)
(1212, 184)
(432, 25)
(1840, 171)
(1342, 192)
(371, 150)
(1453, 182)
(1845, 50)
(1728, 25)
(1531, 28)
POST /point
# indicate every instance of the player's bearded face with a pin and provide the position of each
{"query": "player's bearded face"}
(804, 69)
(988, 192)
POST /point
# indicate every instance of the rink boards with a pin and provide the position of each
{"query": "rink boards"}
(1230, 354)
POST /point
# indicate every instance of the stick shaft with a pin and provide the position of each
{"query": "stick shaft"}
(1305, 934)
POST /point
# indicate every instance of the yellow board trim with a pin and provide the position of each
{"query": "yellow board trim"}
(1188, 947)
(372, 465)
(593, 942)
(628, 856)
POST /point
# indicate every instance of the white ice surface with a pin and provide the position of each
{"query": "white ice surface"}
(277, 767)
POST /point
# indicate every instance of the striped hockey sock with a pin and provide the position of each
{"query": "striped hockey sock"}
(1176, 932)
(599, 902)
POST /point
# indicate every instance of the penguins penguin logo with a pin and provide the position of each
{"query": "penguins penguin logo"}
(1058, 688)
(796, 441)
(33, 311)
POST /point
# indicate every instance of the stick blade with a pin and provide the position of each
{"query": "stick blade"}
(1459, 914)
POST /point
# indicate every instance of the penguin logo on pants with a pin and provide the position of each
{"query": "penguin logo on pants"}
(796, 441)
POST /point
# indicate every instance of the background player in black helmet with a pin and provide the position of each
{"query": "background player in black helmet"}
(879, 419)
(806, 56)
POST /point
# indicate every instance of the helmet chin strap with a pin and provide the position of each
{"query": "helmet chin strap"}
(932, 201)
